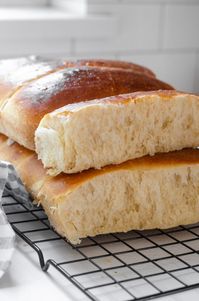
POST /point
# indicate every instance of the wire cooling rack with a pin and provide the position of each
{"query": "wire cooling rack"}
(138, 265)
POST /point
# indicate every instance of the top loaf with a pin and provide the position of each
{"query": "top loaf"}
(32, 87)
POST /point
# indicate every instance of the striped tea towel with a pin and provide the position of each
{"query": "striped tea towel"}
(10, 184)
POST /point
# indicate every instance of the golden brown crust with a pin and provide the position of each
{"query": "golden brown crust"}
(13, 152)
(22, 113)
(64, 182)
(137, 96)
(74, 85)
(16, 72)
(119, 99)
(112, 64)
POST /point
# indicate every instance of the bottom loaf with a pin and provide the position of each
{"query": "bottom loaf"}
(150, 192)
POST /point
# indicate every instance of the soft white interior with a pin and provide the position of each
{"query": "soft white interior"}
(51, 146)
(99, 134)
(128, 199)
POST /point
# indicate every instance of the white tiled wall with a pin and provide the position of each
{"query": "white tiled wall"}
(138, 29)
(177, 68)
(161, 34)
(181, 25)
(196, 77)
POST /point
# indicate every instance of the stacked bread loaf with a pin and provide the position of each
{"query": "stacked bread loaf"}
(110, 161)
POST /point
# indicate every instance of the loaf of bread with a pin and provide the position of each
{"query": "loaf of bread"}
(16, 72)
(21, 113)
(115, 129)
(150, 192)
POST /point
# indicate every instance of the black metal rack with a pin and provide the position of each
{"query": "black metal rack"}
(138, 265)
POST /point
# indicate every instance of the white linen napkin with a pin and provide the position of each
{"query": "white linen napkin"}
(11, 184)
